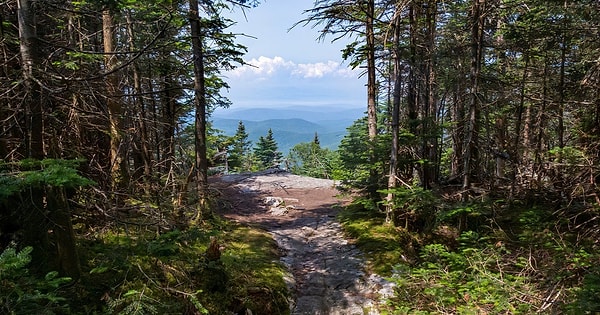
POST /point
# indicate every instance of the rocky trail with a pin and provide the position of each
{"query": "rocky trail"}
(327, 274)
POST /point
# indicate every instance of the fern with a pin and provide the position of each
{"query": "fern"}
(11, 261)
(133, 302)
(23, 293)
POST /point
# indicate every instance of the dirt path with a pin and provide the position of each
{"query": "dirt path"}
(326, 271)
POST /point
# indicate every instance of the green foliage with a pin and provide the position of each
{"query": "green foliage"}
(383, 244)
(256, 275)
(239, 155)
(470, 280)
(23, 293)
(355, 165)
(167, 244)
(588, 295)
(309, 159)
(569, 155)
(354, 157)
(266, 150)
(134, 302)
(168, 273)
(413, 207)
(465, 215)
(30, 173)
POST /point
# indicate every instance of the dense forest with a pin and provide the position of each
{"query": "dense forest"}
(475, 170)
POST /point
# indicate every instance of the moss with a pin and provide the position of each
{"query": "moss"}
(252, 257)
(169, 273)
(383, 244)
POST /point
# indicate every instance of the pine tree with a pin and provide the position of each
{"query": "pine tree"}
(239, 156)
(266, 150)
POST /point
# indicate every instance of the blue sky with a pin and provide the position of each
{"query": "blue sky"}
(291, 68)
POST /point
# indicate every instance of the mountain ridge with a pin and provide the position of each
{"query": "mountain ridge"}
(308, 113)
(290, 126)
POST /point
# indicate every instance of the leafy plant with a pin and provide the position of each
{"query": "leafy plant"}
(310, 159)
(415, 207)
(355, 164)
(15, 177)
(23, 293)
(470, 280)
(588, 295)
(165, 245)
(134, 302)
(266, 150)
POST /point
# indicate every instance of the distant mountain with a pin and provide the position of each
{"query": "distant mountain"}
(287, 132)
(290, 126)
(308, 113)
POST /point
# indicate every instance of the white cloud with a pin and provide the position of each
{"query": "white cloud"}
(315, 70)
(267, 67)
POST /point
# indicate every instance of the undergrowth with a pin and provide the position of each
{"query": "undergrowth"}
(24, 293)
(142, 272)
(483, 257)
(384, 244)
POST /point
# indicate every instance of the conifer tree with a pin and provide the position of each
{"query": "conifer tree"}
(239, 157)
(266, 150)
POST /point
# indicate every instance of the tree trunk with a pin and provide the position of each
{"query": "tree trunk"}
(143, 162)
(561, 95)
(28, 43)
(43, 203)
(32, 219)
(430, 150)
(541, 117)
(457, 116)
(200, 104)
(371, 72)
(371, 98)
(521, 109)
(168, 118)
(395, 126)
(412, 98)
(117, 168)
(67, 259)
(471, 155)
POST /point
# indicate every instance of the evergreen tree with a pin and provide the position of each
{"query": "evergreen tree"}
(266, 150)
(239, 158)
(316, 140)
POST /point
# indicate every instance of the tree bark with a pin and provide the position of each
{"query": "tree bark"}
(371, 71)
(430, 150)
(371, 97)
(200, 104)
(32, 219)
(118, 169)
(471, 155)
(28, 42)
(457, 115)
(168, 118)
(44, 203)
(395, 123)
(67, 258)
(143, 156)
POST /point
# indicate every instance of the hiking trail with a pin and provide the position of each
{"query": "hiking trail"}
(326, 271)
